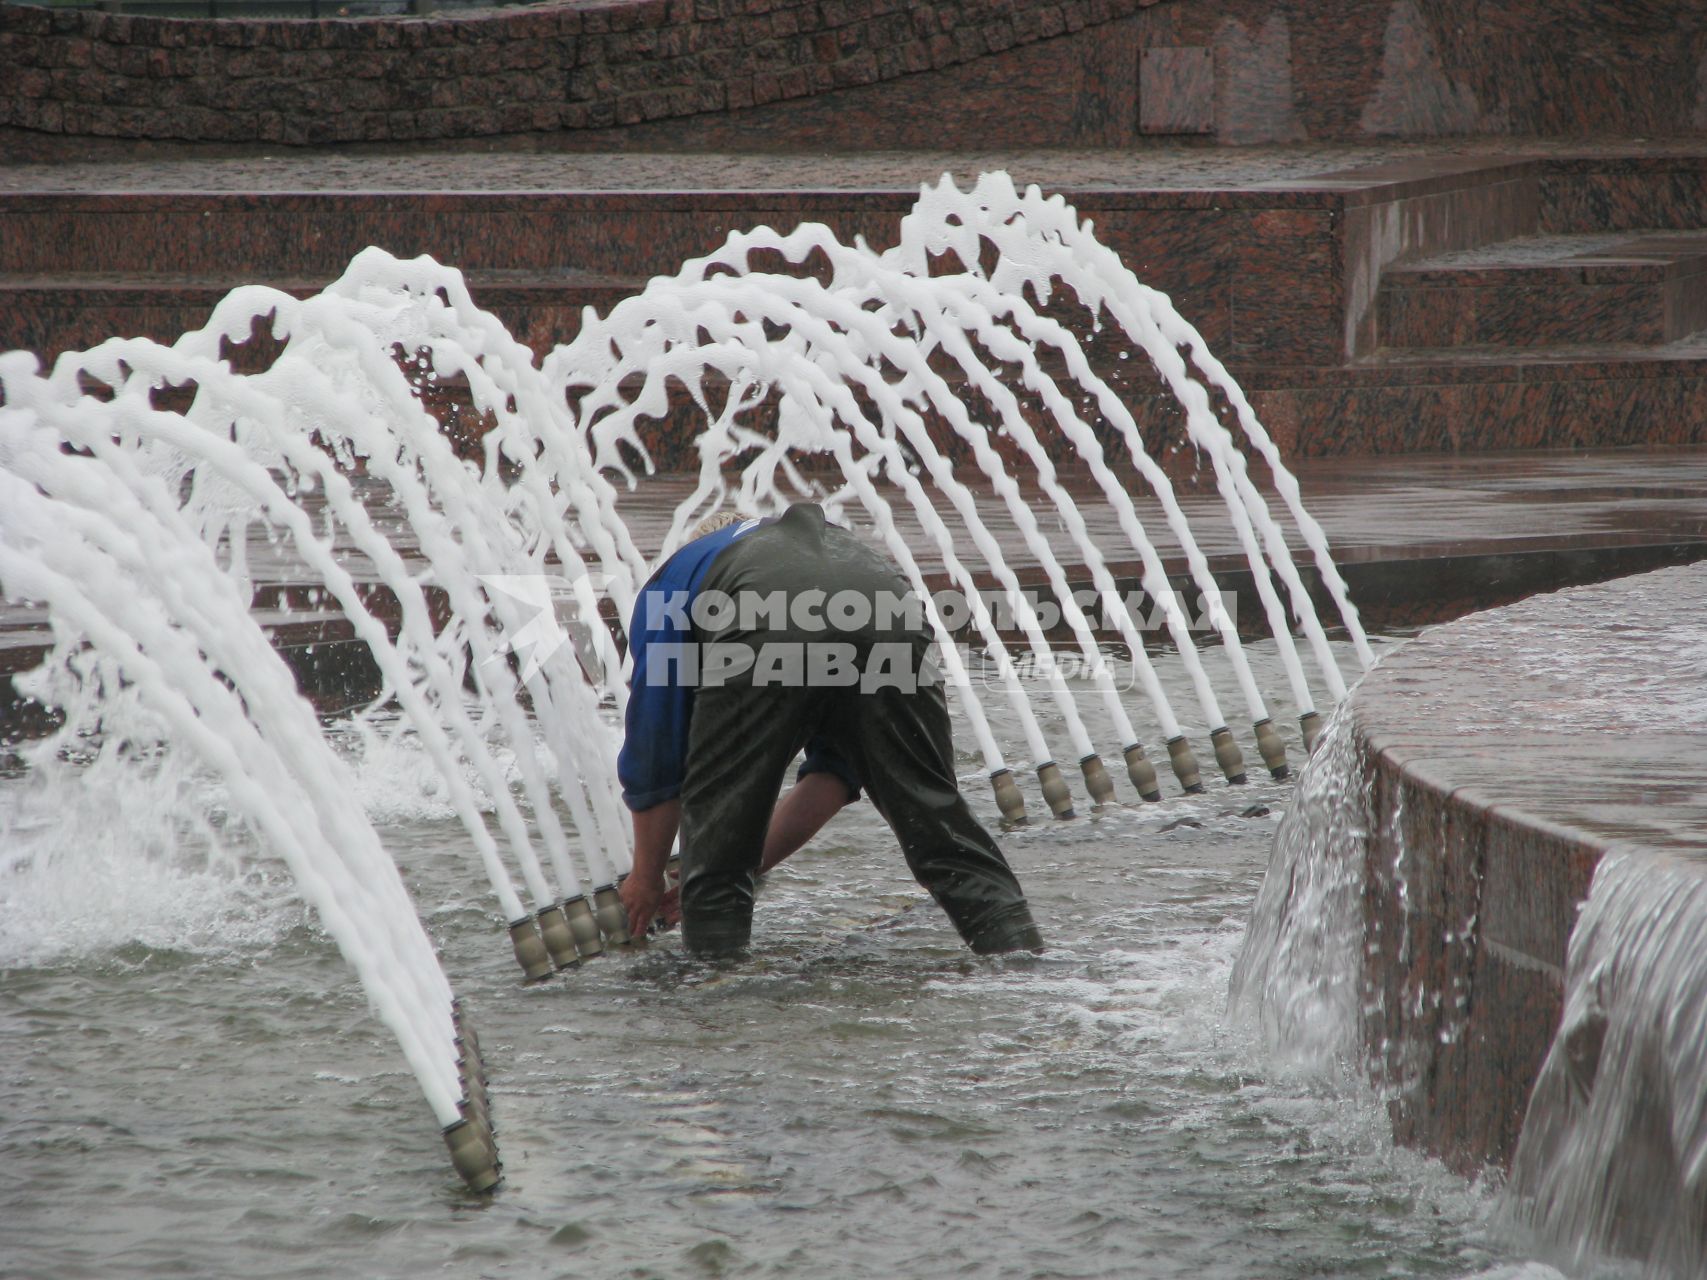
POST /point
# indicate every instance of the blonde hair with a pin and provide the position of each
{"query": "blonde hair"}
(718, 520)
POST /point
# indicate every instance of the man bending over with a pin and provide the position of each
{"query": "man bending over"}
(754, 641)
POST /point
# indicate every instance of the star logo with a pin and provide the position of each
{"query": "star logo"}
(534, 597)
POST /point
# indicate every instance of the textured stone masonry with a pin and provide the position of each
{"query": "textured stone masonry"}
(562, 67)
(861, 74)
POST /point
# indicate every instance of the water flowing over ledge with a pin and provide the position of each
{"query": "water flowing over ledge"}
(1492, 891)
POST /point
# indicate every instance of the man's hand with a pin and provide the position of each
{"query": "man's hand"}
(641, 895)
(670, 907)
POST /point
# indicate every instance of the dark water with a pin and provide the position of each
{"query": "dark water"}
(863, 1098)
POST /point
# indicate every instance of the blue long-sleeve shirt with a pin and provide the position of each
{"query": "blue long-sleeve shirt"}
(655, 742)
(653, 760)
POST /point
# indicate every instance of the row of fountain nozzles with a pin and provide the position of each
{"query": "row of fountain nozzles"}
(1143, 775)
(472, 1139)
(575, 930)
(560, 936)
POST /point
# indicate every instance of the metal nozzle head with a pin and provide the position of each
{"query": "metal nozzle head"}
(1185, 765)
(611, 915)
(1055, 789)
(474, 1154)
(583, 927)
(559, 942)
(1142, 773)
(1097, 782)
(1311, 723)
(1008, 797)
(531, 954)
(1272, 749)
(1228, 755)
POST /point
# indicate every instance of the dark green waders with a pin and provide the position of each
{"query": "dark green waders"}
(897, 739)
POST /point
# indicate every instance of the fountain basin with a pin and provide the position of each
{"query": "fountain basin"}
(1511, 759)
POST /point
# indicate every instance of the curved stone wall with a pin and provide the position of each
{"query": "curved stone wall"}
(862, 74)
(543, 68)
(1508, 756)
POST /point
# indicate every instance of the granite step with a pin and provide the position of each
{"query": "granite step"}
(1645, 287)
(69, 311)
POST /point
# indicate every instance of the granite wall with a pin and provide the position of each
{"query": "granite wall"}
(865, 73)
(1505, 755)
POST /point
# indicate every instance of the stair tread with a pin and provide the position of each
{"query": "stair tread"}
(1534, 259)
(1691, 346)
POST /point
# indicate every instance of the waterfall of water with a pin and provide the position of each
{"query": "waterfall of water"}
(1613, 1156)
(1298, 977)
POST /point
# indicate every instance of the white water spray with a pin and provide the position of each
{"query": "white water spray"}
(209, 469)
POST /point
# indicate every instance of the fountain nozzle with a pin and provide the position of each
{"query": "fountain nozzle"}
(559, 942)
(611, 915)
(1142, 773)
(1185, 765)
(1097, 782)
(1055, 789)
(474, 1153)
(1311, 723)
(1228, 755)
(583, 928)
(1272, 749)
(1008, 797)
(531, 954)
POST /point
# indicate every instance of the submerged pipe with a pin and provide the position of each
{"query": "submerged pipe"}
(559, 942)
(1228, 755)
(531, 954)
(1311, 723)
(1097, 782)
(1008, 797)
(1055, 789)
(1185, 765)
(1272, 749)
(1142, 773)
(583, 927)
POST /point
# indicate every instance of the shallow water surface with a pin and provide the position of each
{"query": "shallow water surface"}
(861, 1098)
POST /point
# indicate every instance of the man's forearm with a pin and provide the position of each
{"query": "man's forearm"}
(800, 814)
(654, 834)
(643, 890)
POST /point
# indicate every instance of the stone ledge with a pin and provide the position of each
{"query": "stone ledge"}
(1507, 753)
